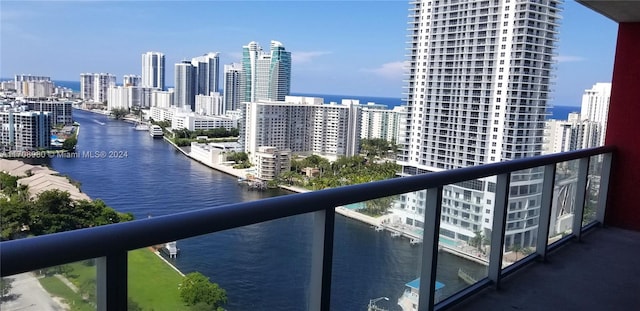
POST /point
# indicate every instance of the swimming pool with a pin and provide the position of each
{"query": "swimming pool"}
(355, 206)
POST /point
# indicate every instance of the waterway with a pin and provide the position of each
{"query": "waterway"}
(263, 266)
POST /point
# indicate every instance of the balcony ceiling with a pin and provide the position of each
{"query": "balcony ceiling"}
(619, 11)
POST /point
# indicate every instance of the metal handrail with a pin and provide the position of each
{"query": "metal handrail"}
(33, 253)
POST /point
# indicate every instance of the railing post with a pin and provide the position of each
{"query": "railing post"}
(544, 218)
(430, 238)
(581, 193)
(321, 259)
(605, 175)
(498, 229)
(111, 282)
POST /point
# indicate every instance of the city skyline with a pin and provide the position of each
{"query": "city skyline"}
(337, 47)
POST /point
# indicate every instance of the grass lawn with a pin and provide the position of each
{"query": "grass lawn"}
(56, 288)
(152, 283)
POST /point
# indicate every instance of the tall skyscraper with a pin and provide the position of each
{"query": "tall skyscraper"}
(153, 70)
(185, 85)
(232, 85)
(477, 92)
(266, 76)
(595, 109)
(207, 73)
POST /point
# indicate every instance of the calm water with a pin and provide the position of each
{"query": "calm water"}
(264, 266)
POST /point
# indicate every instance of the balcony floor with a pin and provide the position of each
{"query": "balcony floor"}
(602, 272)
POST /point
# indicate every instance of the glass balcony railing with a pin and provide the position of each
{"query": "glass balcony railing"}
(496, 216)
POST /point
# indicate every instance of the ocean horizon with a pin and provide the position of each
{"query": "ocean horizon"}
(556, 112)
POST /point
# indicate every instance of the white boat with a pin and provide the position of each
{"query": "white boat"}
(415, 241)
(155, 131)
(395, 234)
(141, 127)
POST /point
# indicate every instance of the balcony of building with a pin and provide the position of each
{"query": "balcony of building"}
(592, 266)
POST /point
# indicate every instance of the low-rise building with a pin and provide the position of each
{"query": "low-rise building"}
(271, 161)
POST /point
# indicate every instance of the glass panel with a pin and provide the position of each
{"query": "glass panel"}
(593, 187)
(65, 287)
(563, 204)
(265, 266)
(465, 231)
(523, 214)
(373, 254)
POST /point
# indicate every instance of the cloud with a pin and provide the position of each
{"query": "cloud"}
(569, 58)
(306, 57)
(392, 70)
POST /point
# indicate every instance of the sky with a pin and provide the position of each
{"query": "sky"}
(338, 47)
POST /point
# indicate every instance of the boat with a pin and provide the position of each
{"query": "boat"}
(395, 234)
(156, 131)
(379, 228)
(141, 127)
(415, 241)
(409, 299)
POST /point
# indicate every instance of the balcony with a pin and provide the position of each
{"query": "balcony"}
(108, 245)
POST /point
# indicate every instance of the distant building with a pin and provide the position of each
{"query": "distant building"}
(61, 111)
(94, 86)
(233, 91)
(192, 122)
(380, 122)
(207, 73)
(126, 97)
(131, 80)
(185, 85)
(33, 86)
(210, 105)
(266, 76)
(25, 130)
(595, 108)
(153, 70)
(162, 99)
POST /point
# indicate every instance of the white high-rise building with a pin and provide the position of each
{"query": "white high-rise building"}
(153, 70)
(380, 122)
(162, 99)
(185, 85)
(477, 92)
(564, 135)
(131, 80)
(265, 76)
(94, 86)
(303, 125)
(33, 86)
(207, 73)
(595, 108)
(210, 105)
(126, 97)
(232, 86)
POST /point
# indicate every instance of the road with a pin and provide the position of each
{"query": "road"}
(30, 296)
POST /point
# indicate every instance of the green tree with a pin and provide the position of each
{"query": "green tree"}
(119, 113)
(132, 305)
(197, 289)
(70, 143)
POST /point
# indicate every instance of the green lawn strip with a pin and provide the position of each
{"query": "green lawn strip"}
(152, 283)
(56, 288)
